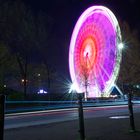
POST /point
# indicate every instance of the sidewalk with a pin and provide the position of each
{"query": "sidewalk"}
(111, 129)
(102, 128)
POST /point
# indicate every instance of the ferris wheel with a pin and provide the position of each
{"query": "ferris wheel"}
(94, 53)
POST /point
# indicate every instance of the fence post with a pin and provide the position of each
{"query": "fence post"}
(131, 115)
(2, 102)
(81, 116)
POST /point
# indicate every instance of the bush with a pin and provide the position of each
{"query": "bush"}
(12, 94)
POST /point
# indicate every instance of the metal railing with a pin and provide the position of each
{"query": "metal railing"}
(22, 106)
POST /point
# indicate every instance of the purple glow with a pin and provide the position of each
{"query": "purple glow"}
(94, 51)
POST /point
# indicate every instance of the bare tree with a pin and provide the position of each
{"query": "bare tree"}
(130, 65)
(23, 32)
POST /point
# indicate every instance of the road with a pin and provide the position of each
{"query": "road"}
(101, 123)
(17, 120)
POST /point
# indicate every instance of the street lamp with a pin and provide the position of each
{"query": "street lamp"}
(121, 46)
(130, 104)
(73, 88)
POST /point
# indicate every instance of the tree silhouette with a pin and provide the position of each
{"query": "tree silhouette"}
(129, 70)
(23, 32)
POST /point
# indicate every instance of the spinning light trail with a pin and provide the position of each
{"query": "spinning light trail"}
(94, 54)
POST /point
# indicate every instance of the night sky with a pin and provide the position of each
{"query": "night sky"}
(64, 14)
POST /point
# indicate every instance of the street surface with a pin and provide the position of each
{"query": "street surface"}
(51, 116)
(64, 125)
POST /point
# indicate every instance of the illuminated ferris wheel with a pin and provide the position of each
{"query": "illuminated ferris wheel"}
(94, 54)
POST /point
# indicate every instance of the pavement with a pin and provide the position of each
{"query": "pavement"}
(101, 128)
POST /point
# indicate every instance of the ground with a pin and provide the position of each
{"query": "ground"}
(102, 128)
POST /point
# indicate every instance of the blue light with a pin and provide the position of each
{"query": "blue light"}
(41, 91)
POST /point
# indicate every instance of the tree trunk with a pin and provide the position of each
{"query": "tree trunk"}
(25, 79)
(23, 72)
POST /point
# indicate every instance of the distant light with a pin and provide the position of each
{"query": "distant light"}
(121, 46)
(72, 87)
(38, 74)
(4, 86)
(41, 91)
(138, 86)
(22, 80)
(113, 96)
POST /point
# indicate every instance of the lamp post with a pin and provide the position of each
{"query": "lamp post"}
(80, 97)
(131, 116)
(81, 116)
(130, 104)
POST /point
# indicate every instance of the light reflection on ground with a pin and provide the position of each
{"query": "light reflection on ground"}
(119, 117)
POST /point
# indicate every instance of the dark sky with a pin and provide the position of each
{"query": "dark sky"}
(64, 14)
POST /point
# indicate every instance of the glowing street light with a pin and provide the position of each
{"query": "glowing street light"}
(72, 87)
(121, 46)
